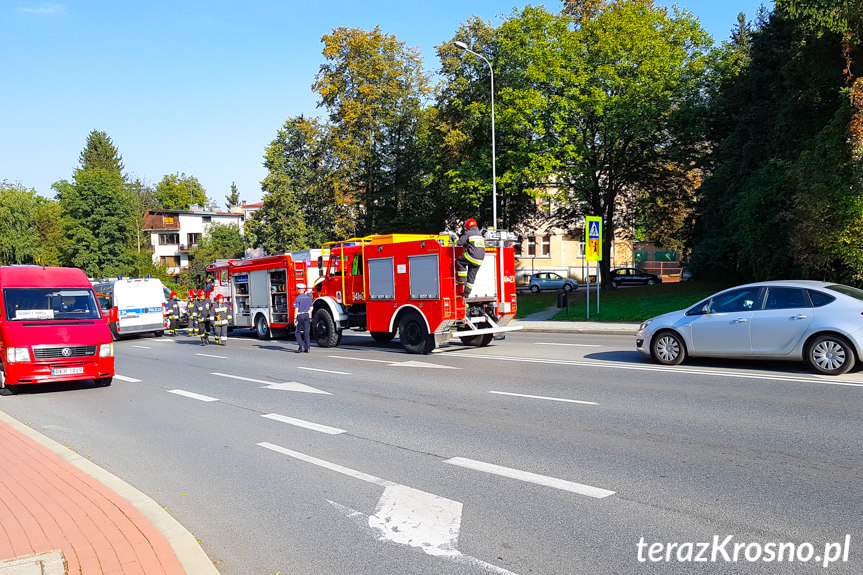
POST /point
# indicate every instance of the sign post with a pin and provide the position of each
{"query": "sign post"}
(593, 253)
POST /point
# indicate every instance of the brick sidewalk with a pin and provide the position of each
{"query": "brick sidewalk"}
(47, 503)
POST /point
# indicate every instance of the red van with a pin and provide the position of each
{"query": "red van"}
(51, 328)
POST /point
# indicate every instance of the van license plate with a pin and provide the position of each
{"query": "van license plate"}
(67, 371)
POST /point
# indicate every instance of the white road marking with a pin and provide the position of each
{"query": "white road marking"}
(191, 395)
(241, 378)
(306, 424)
(295, 386)
(678, 370)
(142, 346)
(544, 397)
(406, 515)
(536, 478)
(569, 344)
(408, 363)
(360, 359)
(165, 339)
(327, 465)
(324, 370)
(208, 355)
(125, 378)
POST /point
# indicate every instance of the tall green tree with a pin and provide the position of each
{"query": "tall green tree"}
(373, 88)
(180, 192)
(30, 230)
(232, 199)
(97, 212)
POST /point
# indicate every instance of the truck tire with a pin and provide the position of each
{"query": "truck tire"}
(382, 336)
(262, 329)
(413, 334)
(478, 340)
(324, 328)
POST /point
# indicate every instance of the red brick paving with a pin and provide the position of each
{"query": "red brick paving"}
(46, 503)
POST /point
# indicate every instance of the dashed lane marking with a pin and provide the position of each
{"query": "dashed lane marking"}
(529, 477)
(142, 347)
(569, 344)
(215, 356)
(125, 378)
(544, 397)
(191, 395)
(324, 370)
(305, 424)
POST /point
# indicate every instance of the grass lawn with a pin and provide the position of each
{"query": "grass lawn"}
(636, 303)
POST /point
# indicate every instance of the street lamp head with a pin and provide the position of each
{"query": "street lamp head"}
(461, 45)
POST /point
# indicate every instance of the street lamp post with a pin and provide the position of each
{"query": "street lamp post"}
(464, 47)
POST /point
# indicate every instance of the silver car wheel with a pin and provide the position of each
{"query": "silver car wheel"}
(829, 355)
(668, 349)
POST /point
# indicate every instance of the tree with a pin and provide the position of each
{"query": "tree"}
(97, 212)
(599, 107)
(30, 230)
(372, 87)
(180, 192)
(219, 242)
(233, 199)
(100, 153)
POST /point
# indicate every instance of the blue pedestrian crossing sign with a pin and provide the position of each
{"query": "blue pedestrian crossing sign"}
(593, 239)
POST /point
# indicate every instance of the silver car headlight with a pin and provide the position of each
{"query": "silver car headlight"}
(643, 325)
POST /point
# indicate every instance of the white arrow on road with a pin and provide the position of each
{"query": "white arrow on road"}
(282, 386)
(295, 386)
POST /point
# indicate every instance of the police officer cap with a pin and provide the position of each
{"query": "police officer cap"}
(301, 287)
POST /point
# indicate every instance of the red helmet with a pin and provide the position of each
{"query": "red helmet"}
(173, 294)
(219, 297)
(200, 293)
(191, 293)
(470, 223)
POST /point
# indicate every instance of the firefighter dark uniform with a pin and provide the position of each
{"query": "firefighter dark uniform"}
(221, 318)
(471, 259)
(205, 316)
(173, 310)
(303, 305)
(192, 313)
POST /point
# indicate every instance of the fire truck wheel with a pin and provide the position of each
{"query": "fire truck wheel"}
(478, 340)
(413, 334)
(262, 330)
(324, 328)
(382, 336)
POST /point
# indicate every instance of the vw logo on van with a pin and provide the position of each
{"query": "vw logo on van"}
(67, 352)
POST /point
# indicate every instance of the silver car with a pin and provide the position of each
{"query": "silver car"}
(818, 322)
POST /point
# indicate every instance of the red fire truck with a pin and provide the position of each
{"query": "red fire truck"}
(261, 290)
(406, 283)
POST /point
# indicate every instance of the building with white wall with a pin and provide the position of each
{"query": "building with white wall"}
(173, 233)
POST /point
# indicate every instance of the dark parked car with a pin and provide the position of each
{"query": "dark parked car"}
(550, 281)
(633, 276)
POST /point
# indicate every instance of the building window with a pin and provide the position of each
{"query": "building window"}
(531, 247)
(206, 219)
(167, 219)
(169, 239)
(169, 261)
(193, 239)
(545, 247)
(516, 249)
(581, 250)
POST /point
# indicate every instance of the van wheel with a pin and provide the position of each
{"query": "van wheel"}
(382, 336)
(262, 329)
(413, 334)
(159, 333)
(104, 381)
(5, 388)
(830, 355)
(324, 328)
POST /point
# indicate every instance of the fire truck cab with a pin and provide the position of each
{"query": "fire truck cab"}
(406, 284)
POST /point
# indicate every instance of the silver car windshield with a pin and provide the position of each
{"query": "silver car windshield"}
(847, 290)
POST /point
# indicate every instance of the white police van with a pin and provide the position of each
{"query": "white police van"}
(140, 304)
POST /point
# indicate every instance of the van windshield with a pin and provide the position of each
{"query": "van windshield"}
(35, 304)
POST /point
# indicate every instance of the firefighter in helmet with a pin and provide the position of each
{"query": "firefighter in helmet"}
(221, 318)
(471, 258)
(172, 308)
(192, 313)
(205, 316)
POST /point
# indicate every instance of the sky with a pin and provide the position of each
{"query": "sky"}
(200, 87)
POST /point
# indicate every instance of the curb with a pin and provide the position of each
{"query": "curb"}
(190, 554)
(587, 330)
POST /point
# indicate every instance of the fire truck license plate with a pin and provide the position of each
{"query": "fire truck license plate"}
(67, 371)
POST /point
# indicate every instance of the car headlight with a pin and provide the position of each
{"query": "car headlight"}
(106, 350)
(17, 354)
(643, 325)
